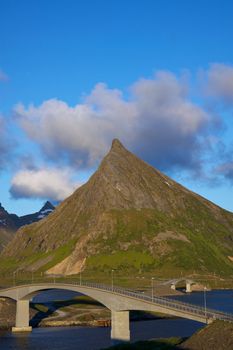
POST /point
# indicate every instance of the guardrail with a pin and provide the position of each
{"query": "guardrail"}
(169, 303)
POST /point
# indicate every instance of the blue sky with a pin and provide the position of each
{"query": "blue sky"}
(75, 74)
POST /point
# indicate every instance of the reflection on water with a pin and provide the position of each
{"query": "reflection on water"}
(22, 341)
(85, 338)
(57, 339)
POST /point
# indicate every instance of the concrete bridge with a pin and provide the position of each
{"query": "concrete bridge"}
(188, 284)
(119, 300)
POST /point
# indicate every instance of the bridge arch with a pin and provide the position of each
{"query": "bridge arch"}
(120, 301)
(27, 292)
(120, 330)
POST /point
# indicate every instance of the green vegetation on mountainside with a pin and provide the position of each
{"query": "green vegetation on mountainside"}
(31, 261)
(133, 245)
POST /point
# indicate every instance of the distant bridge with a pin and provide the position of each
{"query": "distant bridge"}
(188, 283)
(119, 300)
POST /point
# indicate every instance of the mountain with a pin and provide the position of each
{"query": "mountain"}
(130, 217)
(9, 223)
(41, 214)
(7, 227)
(6, 219)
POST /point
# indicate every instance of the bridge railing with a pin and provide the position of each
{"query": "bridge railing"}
(162, 301)
(156, 300)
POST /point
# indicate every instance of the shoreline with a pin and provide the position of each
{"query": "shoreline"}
(101, 323)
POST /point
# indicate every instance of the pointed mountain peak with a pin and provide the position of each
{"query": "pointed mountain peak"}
(117, 145)
(117, 154)
(47, 206)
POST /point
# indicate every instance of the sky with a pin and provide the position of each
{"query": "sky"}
(74, 74)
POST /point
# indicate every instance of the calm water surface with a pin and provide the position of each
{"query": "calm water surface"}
(85, 338)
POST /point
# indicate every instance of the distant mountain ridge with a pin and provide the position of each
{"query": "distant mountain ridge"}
(131, 217)
(41, 214)
(7, 220)
(10, 223)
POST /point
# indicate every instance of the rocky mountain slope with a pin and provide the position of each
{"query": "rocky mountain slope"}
(128, 216)
(9, 223)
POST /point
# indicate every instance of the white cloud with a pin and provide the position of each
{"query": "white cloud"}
(171, 126)
(220, 82)
(158, 121)
(83, 132)
(53, 184)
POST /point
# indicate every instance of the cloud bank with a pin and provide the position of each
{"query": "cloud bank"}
(53, 184)
(158, 121)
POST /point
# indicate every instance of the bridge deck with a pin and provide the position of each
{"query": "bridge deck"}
(169, 305)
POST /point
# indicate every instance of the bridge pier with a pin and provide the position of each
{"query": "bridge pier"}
(22, 317)
(188, 287)
(173, 286)
(120, 331)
